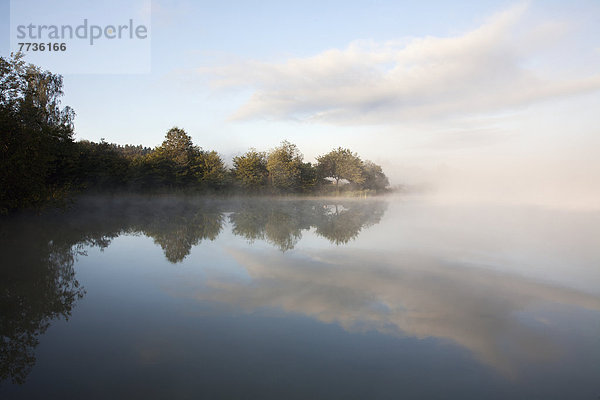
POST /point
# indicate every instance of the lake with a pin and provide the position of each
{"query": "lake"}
(386, 298)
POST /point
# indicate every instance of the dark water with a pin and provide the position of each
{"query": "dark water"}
(366, 299)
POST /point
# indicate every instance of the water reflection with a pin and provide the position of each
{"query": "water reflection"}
(37, 278)
(178, 223)
(281, 223)
(177, 229)
(503, 319)
(37, 286)
(233, 305)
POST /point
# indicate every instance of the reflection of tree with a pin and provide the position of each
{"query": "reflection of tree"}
(36, 286)
(281, 222)
(249, 220)
(175, 223)
(278, 222)
(282, 230)
(343, 223)
(37, 275)
(177, 231)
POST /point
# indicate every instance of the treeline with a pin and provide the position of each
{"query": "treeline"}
(179, 164)
(40, 162)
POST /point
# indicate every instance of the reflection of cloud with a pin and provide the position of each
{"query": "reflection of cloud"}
(478, 72)
(478, 309)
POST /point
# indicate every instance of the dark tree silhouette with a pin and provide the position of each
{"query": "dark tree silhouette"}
(36, 135)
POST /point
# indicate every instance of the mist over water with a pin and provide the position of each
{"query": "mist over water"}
(469, 268)
(297, 298)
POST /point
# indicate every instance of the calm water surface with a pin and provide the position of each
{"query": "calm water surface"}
(172, 297)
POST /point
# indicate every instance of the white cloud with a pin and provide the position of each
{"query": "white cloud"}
(481, 71)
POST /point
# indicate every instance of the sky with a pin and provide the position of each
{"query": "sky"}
(486, 100)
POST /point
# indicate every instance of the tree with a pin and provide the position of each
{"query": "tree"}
(40, 162)
(375, 179)
(250, 170)
(209, 169)
(341, 164)
(178, 146)
(285, 165)
(99, 165)
(36, 135)
(308, 177)
(175, 157)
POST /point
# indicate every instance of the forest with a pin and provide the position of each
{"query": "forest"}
(42, 164)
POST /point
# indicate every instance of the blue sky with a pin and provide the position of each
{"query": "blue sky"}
(432, 90)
